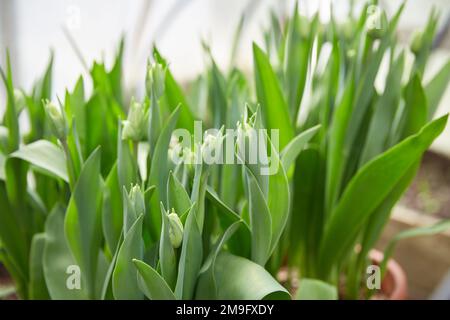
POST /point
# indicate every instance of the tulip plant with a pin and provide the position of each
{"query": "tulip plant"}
(108, 199)
(370, 141)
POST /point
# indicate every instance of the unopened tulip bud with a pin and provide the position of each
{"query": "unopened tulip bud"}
(376, 24)
(137, 199)
(351, 53)
(416, 42)
(247, 143)
(209, 144)
(57, 120)
(211, 149)
(19, 100)
(305, 28)
(136, 124)
(348, 28)
(175, 230)
(189, 159)
(156, 75)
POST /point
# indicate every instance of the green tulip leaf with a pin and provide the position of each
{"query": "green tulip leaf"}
(151, 283)
(312, 289)
(45, 156)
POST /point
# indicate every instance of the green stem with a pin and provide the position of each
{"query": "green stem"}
(70, 164)
(136, 149)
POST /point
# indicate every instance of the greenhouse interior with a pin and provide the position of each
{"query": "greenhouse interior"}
(224, 150)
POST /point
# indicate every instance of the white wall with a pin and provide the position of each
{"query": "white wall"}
(39, 27)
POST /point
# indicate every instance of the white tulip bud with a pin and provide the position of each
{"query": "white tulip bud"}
(19, 100)
(175, 229)
(137, 199)
(134, 128)
(416, 42)
(57, 120)
(247, 143)
(156, 75)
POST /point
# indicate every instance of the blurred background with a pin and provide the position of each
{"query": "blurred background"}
(31, 29)
(81, 31)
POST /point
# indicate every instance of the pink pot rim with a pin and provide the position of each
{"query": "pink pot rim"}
(395, 283)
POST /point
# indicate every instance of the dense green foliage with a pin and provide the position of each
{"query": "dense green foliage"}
(92, 184)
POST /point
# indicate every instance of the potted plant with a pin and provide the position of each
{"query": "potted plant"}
(342, 182)
(135, 212)
(320, 80)
(22, 214)
(161, 197)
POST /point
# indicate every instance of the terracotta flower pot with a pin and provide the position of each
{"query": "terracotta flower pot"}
(393, 287)
(395, 284)
(5, 280)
